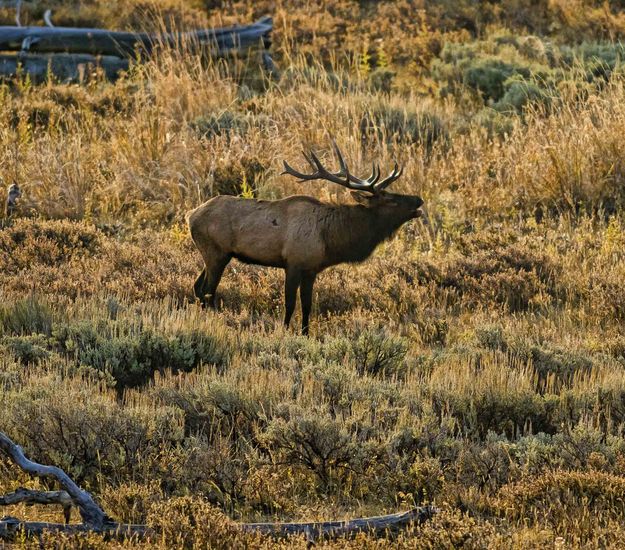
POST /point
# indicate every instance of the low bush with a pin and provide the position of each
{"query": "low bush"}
(389, 123)
(565, 498)
(132, 357)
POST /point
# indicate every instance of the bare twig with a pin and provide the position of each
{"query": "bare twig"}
(18, 9)
(47, 17)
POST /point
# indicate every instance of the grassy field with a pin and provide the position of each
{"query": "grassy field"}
(476, 361)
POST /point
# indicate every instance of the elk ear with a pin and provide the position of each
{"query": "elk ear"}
(362, 198)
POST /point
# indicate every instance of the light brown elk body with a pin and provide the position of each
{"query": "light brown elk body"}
(299, 234)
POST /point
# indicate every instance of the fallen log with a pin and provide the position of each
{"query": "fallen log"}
(65, 67)
(30, 497)
(10, 527)
(95, 519)
(130, 44)
(378, 525)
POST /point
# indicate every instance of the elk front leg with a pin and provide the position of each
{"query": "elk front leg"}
(305, 293)
(291, 283)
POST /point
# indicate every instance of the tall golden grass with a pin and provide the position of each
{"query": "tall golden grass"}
(476, 361)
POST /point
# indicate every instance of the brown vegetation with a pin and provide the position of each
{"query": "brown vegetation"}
(481, 366)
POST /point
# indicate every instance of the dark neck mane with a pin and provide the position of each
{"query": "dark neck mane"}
(352, 232)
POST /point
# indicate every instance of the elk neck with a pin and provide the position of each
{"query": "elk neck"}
(351, 232)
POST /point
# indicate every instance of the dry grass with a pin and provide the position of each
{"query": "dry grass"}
(476, 361)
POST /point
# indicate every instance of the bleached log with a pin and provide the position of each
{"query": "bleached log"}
(29, 496)
(65, 67)
(332, 529)
(10, 527)
(127, 44)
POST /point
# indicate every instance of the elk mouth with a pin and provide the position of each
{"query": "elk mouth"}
(418, 213)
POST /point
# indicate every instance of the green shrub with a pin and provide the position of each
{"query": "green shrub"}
(132, 357)
(26, 349)
(497, 124)
(213, 408)
(565, 498)
(190, 522)
(229, 179)
(316, 442)
(491, 337)
(84, 432)
(381, 79)
(372, 351)
(28, 316)
(388, 123)
(520, 93)
(559, 366)
(29, 242)
(226, 123)
(489, 75)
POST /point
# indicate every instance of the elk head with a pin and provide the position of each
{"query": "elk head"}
(370, 192)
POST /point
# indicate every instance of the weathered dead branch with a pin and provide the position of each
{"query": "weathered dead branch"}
(92, 515)
(29, 496)
(332, 529)
(65, 67)
(10, 527)
(129, 44)
(95, 519)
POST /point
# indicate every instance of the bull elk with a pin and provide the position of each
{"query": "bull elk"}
(299, 234)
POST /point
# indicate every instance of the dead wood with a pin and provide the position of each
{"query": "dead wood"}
(95, 519)
(92, 515)
(129, 44)
(378, 525)
(31, 497)
(10, 527)
(65, 67)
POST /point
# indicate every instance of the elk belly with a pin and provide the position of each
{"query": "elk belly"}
(259, 241)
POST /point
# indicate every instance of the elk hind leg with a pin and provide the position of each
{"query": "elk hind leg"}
(199, 287)
(291, 284)
(213, 271)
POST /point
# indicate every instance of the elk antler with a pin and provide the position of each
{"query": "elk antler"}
(343, 177)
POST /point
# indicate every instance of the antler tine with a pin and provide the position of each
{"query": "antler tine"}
(375, 175)
(320, 171)
(292, 172)
(317, 164)
(343, 177)
(354, 182)
(309, 160)
(394, 175)
(357, 183)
